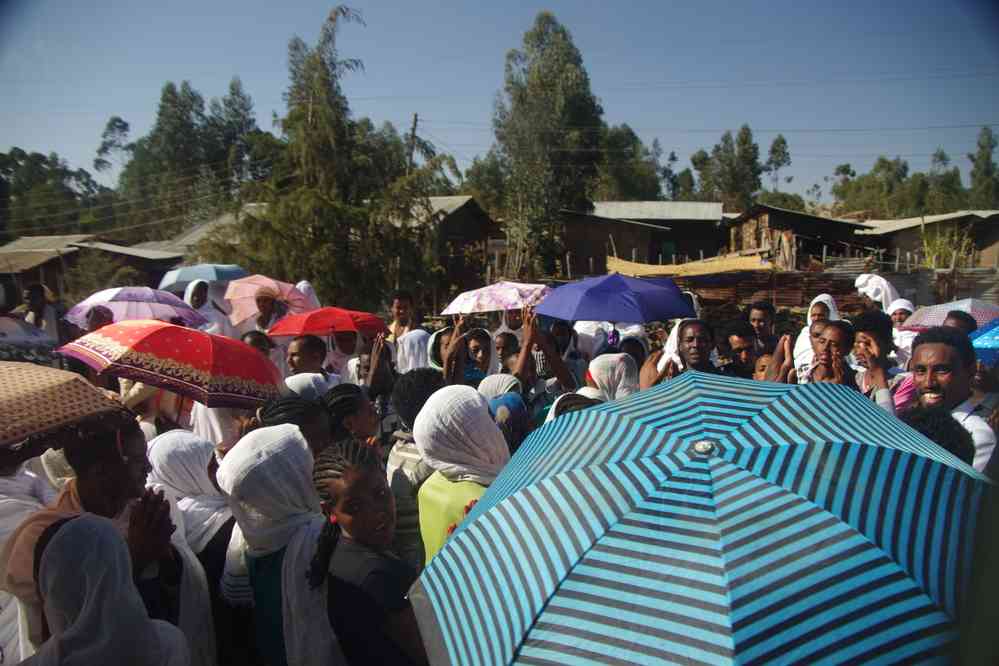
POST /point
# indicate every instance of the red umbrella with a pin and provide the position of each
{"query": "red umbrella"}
(214, 370)
(327, 321)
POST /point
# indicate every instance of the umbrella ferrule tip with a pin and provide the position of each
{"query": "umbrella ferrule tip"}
(704, 447)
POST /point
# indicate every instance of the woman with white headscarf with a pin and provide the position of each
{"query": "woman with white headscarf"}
(614, 375)
(310, 294)
(899, 310)
(94, 612)
(196, 295)
(268, 478)
(822, 308)
(183, 464)
(877, 289)
(310, 385)
(494, 386)
(457, 437)
(411, 351)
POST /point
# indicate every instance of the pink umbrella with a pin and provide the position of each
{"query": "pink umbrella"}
(499, 296)
(934, 315)
(242, 296)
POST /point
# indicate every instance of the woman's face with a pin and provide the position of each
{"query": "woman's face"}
(364, 506)
(819, 312)
(762, 363)
(364, 423)
(479, 353)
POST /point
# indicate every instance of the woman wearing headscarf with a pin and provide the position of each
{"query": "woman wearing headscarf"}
(309, 292)
(495, 386)
(184, 464)
(411, 351)
(615, 375)
(196, 295)
(268, 478)
(310, 385)
(457, 437)
(876, 291)
(899, 310)
(822, 308)
(95, 614)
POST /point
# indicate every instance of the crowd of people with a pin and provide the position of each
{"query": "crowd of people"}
(158, 535)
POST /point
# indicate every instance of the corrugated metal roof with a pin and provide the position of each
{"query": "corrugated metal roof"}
(141, 253)
(45, 242)
(882, 227)
(448, 205)
(18, 261)
(756, 208)
(658, 210)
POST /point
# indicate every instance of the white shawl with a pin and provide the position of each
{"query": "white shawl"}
(268, 477)
(180, 463)
(494, 386)
(94, 611)
(877, 289)
(457, 436)
(218, 425)
(309, 291)
(616, 375)
(310, 385)
(411, 351)
(803, 344)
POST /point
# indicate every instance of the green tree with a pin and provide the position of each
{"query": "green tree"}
(984, 194)
(114, 145)
(548, 125)
(686, 186)
(778, 158)
(784, 200)
(629, 171)
(230, 122)
(486, 180)
(946, 192)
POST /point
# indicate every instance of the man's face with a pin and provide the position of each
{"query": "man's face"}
(364, 506)
(762, 363)
(985, 379)
(346, 342)
(695, 346)
(514, 319)
(364, 423)
(899, 316)
(265, 304)
(200, 295)
(300, 359)
(831, 344)
(504, 346)
(563, 336)
(958, 324)
(761, 322)
(402, 310)
(941, 379)
(137, 466)
(867, 344)
(743, 352)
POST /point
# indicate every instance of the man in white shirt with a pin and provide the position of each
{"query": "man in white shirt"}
(943, 364)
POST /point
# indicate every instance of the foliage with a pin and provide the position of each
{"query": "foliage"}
(731, 173)
(94, 271)
(778, 158)
(548, 125)
(629, 171)
(944, 245)
(339, 197)
(783, 200)
(486, 180)
(984, 192)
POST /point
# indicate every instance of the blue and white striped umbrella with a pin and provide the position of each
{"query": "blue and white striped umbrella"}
(710, 520)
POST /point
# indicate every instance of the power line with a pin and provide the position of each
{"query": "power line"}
(707, 130)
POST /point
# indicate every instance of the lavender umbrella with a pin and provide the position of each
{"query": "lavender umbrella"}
(127, 303)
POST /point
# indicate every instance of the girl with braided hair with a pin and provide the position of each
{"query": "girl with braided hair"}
(309, 415)
(352, 414)
(366, 582)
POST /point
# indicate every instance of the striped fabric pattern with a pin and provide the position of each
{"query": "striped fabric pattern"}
(710, 520)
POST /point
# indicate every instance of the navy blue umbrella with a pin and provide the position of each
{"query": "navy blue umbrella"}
(617, 298)
(711, 520)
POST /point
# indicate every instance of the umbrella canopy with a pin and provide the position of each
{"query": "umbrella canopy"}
(616, 298)
(212, 369)
(327, 321)
(127, 303)
(178, 279)
(929, 316)
(36, 400)
(986, 342)
(710, 520)
(499, 296)
(242, 295)
(17, 332)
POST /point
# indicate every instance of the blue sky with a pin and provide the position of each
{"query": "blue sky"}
(681, 72)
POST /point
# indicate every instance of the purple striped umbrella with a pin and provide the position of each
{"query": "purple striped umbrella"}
(129, 303)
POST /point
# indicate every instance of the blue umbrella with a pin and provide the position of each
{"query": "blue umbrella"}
(616, 298)
(986, 343)
(179, 278)
(711, 520)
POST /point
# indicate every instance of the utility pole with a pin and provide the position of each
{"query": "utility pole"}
(412, 143)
